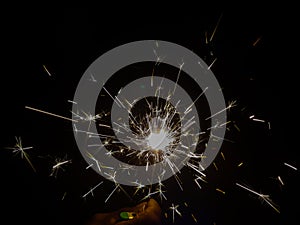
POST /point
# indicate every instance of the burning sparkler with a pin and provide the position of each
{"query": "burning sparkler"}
(161, 139)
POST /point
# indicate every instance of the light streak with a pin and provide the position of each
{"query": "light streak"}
(18, 148)
(175, 210)
(92, 189)
(220, 190)
(240, 164)
(280, 180)
(215, 165)
(231, 104)
(256, 41)
(258, 120)
(264, 197)
(178, 75)
(59, 163)
(223, 156)
(236, 127)
(92, 78)
(213, 62)
(216, 27)
(51, 114)
(72, 102)
(190, 106)
(64, 195)
(293, 167)
(47, 71)
(194, 218)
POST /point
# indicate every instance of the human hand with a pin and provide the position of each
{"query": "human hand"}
(147, 213)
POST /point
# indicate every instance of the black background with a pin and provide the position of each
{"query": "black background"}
(67, 41)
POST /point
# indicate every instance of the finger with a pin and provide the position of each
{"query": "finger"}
(153, 207)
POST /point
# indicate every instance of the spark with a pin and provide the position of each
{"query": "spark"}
(240, 164)
(150, 194)
(63, 197)
(111, 97)
(258, 120)
(95, 160)
(231, 104)
(138, 187)
(47, 71)
(190, 106)
(111, 193)
(72, 102)
(216, 27)
(104, 125)
(196, 181)
(264, 197)
(280, 180)
(269, 125)
(18, 148)
(89, 166)
(196, 168)
(92, 78)
(255, 119)
(194, 218)
(223, 156)
(178, 75)
(236, 127)
(91, 190)
(87, 116)
(219, 138)
(208, 68)
(158, 61)
(174, 210)
(256, 41)
(59, 165)
(221, 191)
(112, 177)
(159, 187)
(51, 114)
(215, 165)
(293, 167)
(206, 39)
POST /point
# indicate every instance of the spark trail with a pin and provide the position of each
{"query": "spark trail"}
(265, 198)
(19, 149)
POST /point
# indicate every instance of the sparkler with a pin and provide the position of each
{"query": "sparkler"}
(156, 137)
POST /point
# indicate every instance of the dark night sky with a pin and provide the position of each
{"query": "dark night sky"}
(68, 41)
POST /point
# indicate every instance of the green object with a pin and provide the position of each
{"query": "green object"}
(127, 215)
